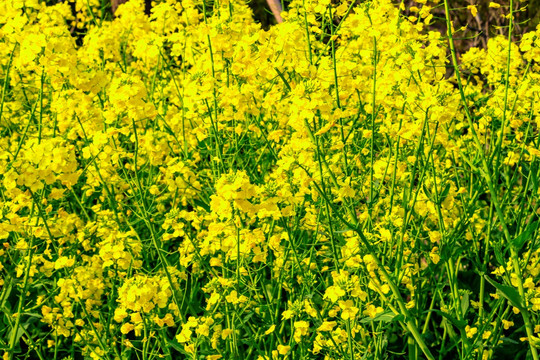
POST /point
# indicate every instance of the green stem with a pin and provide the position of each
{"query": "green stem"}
(409, 320)
(6, 78)
(485, 171)
(22, 298)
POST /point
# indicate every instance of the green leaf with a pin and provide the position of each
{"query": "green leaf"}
(444, 193)
(508, 292)
(33, 315)
(510, 340)
(20, 332)
(175, 345)
(427, 193)
(6, 291)
(499, 254)
(126, 355)
(387, 316)
(283, 78)
(202, 204)
(522, 238)
(534, 183)
(457, 323)
(464, 303)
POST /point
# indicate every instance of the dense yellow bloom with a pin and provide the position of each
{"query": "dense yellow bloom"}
(187, 178)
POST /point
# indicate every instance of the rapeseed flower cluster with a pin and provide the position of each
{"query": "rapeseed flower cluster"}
(189, 185)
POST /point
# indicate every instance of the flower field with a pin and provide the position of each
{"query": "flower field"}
(343, 185)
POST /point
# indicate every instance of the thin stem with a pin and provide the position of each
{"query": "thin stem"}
(485, 171)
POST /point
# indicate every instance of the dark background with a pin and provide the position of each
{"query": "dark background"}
(487, 23)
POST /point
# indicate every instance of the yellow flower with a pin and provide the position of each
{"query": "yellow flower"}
(57, 194)
(126, 328)
(234, 299)
(203, 329)
(348, 310)
(64, 261)
(120, 314)
(434, 256)
(494, 5)
(283, 349)
(529, 283)
(301, 328)
(184, 336)
(473, 10)
(507, 324)
(287, 314)
(270, 330)
(334, 293)
(189, 348)
(372, 311)
(225, 333)
(167, 320)
(327, 326)
(325, 128)
(470, 331)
